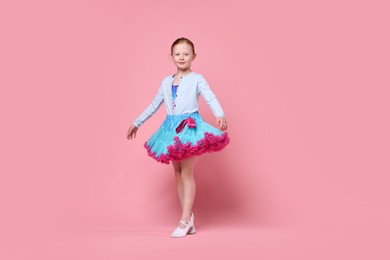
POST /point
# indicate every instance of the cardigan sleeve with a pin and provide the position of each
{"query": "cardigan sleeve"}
(210, 97)
(152, 108)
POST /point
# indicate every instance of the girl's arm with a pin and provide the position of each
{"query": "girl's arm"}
(152, 108)
(210, 97)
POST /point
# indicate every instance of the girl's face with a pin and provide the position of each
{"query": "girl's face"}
(182, 56)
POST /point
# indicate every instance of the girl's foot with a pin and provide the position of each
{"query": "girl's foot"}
(188, 228)
(181, 225)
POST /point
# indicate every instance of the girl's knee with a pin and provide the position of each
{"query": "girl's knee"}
(187, 173)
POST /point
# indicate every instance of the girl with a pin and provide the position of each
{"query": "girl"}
(183, 135)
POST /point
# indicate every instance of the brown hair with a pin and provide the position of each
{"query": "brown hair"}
(180, 40)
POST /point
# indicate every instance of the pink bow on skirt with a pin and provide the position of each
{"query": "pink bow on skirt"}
(191, 124)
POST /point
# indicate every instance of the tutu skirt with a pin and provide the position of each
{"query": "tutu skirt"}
(182, 136)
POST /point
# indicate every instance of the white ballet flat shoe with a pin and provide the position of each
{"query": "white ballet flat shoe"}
(189, 229)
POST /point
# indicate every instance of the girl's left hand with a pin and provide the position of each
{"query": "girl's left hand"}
(222, 124)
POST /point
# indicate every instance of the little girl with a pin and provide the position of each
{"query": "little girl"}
(183, 135)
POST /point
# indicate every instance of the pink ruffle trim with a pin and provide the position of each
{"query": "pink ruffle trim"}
(179, 151)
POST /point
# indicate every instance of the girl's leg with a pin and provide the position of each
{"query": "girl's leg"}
(189, 187)
(179, 183)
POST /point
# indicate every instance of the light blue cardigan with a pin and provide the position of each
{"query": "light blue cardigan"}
(186, 101)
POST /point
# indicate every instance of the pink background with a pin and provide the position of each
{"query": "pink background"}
(305, 88)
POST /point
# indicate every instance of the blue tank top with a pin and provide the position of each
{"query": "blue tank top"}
(174, 95)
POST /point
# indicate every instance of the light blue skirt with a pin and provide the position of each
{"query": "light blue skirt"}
(185, 135)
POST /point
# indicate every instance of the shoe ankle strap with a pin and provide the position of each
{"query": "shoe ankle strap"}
(185, 222)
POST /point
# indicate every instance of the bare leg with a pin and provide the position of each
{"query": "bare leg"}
(179, 183)
(189, 187)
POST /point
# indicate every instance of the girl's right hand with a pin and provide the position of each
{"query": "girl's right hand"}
(131, 133)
